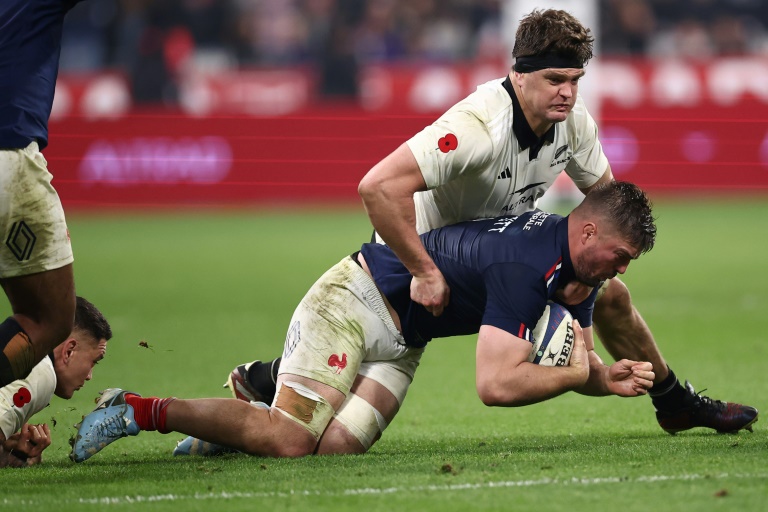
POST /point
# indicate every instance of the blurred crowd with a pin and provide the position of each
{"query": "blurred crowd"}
(150, 40)
(694, 29)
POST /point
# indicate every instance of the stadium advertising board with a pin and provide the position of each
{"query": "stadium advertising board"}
(675, 127)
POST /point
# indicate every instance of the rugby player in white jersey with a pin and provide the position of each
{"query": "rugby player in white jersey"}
(495, 153)
(64, 371)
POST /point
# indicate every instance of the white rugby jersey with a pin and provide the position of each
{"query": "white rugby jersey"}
(23, 398)
(476, 167)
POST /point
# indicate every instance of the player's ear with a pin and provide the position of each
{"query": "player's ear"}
(588, 231)
(68, 349)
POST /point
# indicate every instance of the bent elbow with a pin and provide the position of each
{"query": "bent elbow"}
(490, 395)
(368, 187)
(497, 396)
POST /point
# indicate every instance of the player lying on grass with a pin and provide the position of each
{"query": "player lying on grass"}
(356, 338)
(62, 372)
(496, 152)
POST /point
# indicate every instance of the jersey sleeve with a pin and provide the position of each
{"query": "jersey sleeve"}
(23, 398)
(589, 161)
(516, 298)
(583, 311)
(457, 144)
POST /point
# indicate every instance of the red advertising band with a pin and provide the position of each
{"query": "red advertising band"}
(531, 63)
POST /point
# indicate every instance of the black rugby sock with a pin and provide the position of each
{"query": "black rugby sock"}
(262, 376)
(668, 395)
(18, 355)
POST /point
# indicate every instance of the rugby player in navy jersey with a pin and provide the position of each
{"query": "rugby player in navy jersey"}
(35, 251)
(495, 153)
(355, 340)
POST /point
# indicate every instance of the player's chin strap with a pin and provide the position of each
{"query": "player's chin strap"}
(531, 63)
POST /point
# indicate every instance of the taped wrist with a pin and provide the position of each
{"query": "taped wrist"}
(17, 356)
(19, 455)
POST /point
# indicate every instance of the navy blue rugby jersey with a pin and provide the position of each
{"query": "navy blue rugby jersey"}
(501, 272)
(30, 45)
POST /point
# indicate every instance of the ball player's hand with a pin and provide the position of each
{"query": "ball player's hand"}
(630, 378)
(431, 291)
(579, 357)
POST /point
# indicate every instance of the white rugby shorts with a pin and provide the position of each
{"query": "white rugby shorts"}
(342, 328)
(32, 224)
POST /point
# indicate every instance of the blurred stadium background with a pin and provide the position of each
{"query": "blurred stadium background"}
(257, 102)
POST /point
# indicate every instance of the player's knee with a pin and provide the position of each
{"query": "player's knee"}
(337, 440)
(63, 319)
(59, 330)
(55, 324)
(614, 301)
(304, 408)
(281, 448)
(358, 425)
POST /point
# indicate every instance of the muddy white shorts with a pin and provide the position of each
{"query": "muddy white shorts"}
(342, 328)
(32, 225)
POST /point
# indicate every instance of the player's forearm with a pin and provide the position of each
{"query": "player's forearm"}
(528, 384)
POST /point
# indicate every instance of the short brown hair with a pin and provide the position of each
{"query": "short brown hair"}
(553, 31)
(625, 206)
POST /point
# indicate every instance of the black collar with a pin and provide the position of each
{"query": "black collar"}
(525, 136)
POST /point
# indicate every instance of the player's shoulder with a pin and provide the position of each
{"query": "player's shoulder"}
(487, 102)
(23, 398)
(579, 117)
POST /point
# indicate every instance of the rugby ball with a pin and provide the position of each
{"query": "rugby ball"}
(553, 337)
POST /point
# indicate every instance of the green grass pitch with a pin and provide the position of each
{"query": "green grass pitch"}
(206, 291)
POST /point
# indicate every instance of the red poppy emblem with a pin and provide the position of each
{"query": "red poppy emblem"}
(22, 397)
(448, 143)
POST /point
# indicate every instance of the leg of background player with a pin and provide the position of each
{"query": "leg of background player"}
(625, 334)
(43, 306)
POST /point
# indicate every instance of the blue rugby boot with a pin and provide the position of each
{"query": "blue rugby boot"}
(194, 446)
(111, 420)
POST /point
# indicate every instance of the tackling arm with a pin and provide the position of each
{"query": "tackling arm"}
(387, 193)
(605, 178)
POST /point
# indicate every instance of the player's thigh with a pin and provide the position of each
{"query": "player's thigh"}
(326, 335)
(340, 325)
(33, 229)
(325, 345)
